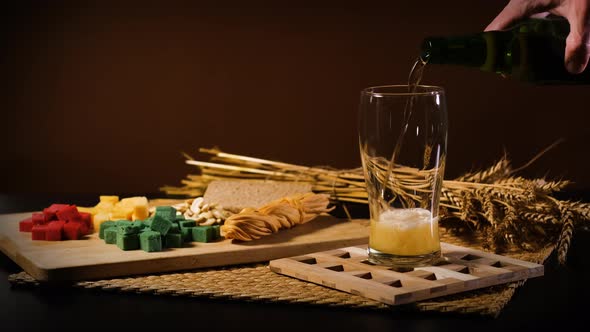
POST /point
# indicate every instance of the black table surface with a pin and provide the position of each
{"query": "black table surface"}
(557, 300)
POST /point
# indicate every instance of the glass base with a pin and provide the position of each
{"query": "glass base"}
(403, 262)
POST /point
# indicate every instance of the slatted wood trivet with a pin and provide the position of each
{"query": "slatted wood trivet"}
(461, 269)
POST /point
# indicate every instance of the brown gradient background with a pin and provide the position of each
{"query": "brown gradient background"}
(103, 97)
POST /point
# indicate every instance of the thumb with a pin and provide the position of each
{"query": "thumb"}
(577, 48)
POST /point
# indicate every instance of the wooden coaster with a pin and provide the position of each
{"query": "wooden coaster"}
(461, 269)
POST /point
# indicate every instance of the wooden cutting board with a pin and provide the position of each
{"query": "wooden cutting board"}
(90, 258)
(462, 269)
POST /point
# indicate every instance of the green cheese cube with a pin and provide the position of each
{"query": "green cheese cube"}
(161, 224)
(123, 222)
(173, 240)
(174, 228)
(179, 218)
(127, 241)
(139, 224)
(129, 227)
(104, 226)
(148, 222)
(216, 232)
(203, 234)
(150, 241)
(110, 235)
(167, 212)
(187, 233)
(188, 223)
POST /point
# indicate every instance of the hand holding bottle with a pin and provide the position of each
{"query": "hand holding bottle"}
(577, 12)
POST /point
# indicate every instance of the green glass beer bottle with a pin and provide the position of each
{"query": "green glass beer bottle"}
(531, 51)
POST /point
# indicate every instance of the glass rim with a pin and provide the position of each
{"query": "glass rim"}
(427, 90)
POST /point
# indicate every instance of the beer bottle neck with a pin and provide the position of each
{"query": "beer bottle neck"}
(464, 50)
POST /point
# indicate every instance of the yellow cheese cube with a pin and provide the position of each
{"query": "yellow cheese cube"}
(121, 214)
(133, 201)
(90, 210)
(104, 207)
(110, 199)
(98, 219)
(141, 212)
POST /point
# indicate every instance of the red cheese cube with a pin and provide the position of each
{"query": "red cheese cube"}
(87, 219)
(51, 211)
(84, 230)
(68, 213)
(54, 230)
(72, 230)
(38, 219)
(49, 215)
(25, 225)
(38, 232)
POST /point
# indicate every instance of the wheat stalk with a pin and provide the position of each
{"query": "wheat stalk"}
(565, 237)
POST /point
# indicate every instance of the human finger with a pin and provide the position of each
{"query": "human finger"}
(517, 10)
(577, 43)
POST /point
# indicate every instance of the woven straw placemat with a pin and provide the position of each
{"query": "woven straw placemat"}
(257, 283)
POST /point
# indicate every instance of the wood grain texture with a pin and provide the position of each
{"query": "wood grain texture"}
(90, 258)
(461, 269)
